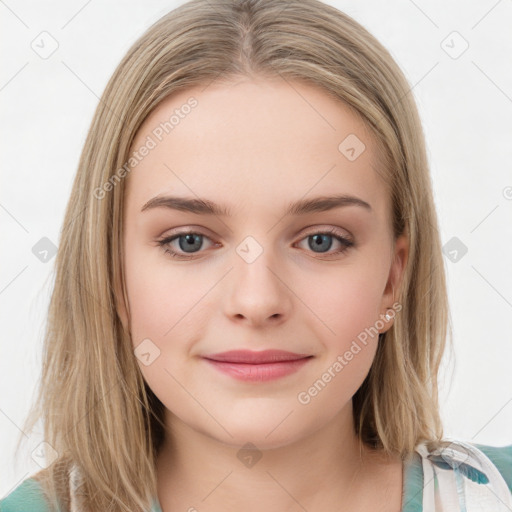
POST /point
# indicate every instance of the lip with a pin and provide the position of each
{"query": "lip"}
(259, 366)
(253, 357)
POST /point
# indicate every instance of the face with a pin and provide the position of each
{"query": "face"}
(255, 275)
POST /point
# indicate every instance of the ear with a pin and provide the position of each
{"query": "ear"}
(396, 272)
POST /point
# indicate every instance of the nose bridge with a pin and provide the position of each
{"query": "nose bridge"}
(257, 291)
(255, 263)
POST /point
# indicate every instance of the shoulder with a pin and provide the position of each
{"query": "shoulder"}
(501, 457)
(466, 456)
(26, 496)
(466, 472)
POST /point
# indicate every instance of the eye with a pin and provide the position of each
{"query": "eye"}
(190, 243)
(320, 242)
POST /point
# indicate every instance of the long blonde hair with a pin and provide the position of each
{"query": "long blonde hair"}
(97, 411)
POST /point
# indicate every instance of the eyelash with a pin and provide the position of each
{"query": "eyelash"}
(164, 243)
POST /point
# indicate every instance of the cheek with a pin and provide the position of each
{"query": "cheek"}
(162, 294)
(164, 324)
(152, 314)
(345, 302)
(347, 306)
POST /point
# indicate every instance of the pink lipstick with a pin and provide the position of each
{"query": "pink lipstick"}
(260, 366)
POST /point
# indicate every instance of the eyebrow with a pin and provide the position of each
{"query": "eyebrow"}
(206, 207)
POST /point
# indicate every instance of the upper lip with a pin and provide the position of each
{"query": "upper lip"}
(252, 357)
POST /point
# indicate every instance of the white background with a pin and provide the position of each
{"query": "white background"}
(466, 108)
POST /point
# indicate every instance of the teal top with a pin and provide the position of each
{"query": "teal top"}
(28, 496)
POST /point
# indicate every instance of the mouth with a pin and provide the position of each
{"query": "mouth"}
(260, 366)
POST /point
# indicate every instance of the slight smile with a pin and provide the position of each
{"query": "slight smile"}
(260, 366)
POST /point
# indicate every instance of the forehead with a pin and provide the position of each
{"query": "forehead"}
(250, 143)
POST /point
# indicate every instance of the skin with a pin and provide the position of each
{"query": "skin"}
(255, 145)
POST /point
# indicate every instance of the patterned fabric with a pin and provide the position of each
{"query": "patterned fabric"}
(460, 477)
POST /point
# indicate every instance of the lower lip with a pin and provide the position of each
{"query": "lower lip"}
(259, 372)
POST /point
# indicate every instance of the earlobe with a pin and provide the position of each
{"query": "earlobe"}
(400, 261)
(389, 299)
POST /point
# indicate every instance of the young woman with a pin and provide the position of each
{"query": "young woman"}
(250, 308)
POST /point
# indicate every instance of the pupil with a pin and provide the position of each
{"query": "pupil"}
(193, 242)
(322, 242)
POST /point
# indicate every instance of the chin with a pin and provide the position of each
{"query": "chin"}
(265, 433)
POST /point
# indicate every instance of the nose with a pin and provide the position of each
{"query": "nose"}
(258, 292)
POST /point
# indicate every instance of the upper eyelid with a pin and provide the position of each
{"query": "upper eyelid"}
(308, 231)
